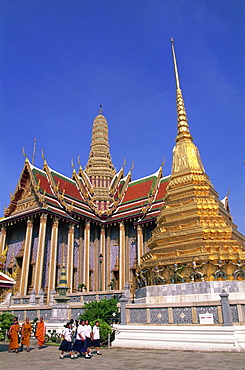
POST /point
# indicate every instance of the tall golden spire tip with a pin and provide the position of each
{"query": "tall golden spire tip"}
(175, 66)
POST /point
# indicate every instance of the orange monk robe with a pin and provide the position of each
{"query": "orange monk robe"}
(26, 334)
(14, 336)
(40, 333)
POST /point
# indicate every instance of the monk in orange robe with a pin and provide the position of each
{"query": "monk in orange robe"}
(13, 335)
(40, 333)
(26, 335)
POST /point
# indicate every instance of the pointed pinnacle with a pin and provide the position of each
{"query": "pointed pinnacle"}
(175, 66)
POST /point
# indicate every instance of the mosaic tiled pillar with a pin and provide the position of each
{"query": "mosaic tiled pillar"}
(80, 257)
(26, 258)
(53, 257)
(70, 258)
(108, 257)
(139, 243)
(121, 255)
(40, 253)
(96, 252)
(102, 251)
(126, 257)
(86, 254)
(2, 239)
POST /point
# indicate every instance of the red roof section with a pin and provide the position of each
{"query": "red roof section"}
(137, 190)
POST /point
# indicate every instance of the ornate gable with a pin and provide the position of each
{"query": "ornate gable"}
(24, 197)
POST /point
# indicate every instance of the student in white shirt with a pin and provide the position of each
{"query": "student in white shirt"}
(96, 337)
(66, 345)
(80, 344)
(88, 337)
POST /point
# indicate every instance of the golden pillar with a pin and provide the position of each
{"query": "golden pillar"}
(127, 259)
(26, 259)
(121, 255)
(86, 254)
(140, 244)
(102, 251)
(2, 239)
(53, 257)
(80, 254)
(40, 254)
(96, 264)
(108, 257)
(70, 258)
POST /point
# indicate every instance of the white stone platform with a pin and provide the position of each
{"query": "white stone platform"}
(190, 292)
(185, 338)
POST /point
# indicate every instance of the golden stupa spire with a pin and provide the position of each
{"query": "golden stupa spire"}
(186, 156)
(183, 127)
(193, 225)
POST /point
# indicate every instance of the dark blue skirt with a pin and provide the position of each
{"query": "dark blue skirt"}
(80, 346)
(88, 342)
(65, 346)
(96, 343)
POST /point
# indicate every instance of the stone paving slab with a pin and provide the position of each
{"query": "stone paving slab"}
(120, 359)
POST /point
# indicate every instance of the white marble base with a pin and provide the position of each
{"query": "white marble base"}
(190, 292)
(60, 313)
(185, 338)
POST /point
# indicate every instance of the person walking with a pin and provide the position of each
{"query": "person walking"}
(96, 337)
(26, 335)
(73, 329)
(80, 342)
(88, 334)
(66, 345)
(40, 333)
(13, 335)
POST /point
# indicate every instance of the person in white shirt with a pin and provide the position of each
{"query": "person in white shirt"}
(88, 337)
(80, 344)
(66, 345)
(96, 337)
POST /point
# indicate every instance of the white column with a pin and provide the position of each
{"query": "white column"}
(40, 253)
(139, 244)
(121, 256)
(102, 251)
(26, 259)
(70, 258)
(86, 254)
(2, 239)
(53, 257)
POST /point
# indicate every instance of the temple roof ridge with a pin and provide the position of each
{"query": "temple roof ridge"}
(155, 174)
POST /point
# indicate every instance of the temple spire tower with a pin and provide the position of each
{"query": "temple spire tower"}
(193, 223)
(186, 155)
(99, 168)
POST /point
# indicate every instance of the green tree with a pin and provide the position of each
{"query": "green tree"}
(100, 310)
(6, 319)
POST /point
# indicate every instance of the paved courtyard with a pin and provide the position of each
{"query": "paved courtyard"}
(116, 358)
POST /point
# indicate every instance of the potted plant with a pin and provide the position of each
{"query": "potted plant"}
(112, 284)
(81, 287)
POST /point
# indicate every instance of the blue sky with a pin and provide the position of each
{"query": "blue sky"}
(61, 59)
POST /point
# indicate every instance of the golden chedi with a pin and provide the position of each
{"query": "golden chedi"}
(195, 238)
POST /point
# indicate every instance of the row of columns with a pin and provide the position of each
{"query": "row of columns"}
(103, 248)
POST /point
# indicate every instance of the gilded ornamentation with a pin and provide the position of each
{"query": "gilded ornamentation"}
(193, 221)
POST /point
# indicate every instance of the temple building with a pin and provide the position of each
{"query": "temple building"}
(110, 230)
(98, 221)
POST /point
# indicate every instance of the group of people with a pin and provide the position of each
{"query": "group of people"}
(79, 338)
(21, 335)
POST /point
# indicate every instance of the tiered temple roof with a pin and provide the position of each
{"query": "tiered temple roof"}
(46, 190)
